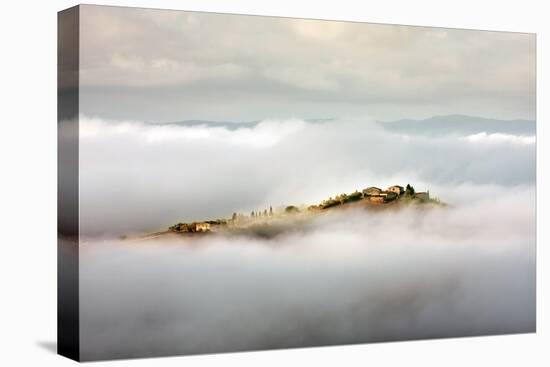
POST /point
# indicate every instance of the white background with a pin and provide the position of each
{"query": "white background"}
(28, 182)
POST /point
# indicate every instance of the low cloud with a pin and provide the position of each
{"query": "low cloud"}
(138, 177)
(352, 277)
(500, 138)
(349, 277)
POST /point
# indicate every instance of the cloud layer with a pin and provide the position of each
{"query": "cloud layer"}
(137, 177)
(351, 278)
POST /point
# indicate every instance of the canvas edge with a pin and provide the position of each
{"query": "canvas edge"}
(68, 328)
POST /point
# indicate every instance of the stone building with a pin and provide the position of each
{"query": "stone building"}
(372, 191)
(202, 227)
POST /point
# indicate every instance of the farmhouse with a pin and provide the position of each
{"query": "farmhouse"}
(202, 227)
(371, 191)
(376, 195)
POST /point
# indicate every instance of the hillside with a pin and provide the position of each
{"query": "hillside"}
(269, 223)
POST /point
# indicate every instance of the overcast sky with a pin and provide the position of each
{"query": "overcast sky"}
(161, 65)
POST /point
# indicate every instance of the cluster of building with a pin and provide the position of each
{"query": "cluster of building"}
(378, 195)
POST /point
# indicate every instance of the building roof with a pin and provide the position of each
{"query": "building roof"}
(372, 188)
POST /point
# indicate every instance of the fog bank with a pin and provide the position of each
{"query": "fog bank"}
(353, 277)
(138, 177)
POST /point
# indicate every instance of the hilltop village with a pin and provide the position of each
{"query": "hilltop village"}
(370, 196)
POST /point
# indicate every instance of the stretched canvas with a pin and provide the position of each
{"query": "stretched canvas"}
(233, 183)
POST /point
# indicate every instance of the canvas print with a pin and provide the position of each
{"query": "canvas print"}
(234, 183)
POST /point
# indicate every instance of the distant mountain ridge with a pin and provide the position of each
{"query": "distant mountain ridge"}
(460, 125)
(228, 125)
